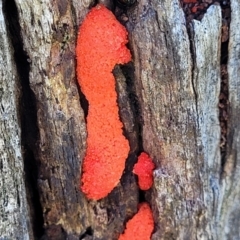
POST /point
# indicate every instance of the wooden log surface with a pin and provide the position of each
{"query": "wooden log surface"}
(49, 40)
(14, 214)
(168, 98)
(228, 208)
(178, 92)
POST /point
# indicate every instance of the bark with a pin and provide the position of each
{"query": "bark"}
(230, 192)
(179, 91)
(169, 104)
(14, 222)
(49, 41)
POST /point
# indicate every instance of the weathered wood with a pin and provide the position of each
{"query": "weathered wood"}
(206, 79)
(228, 209)
(14, 216)
(49, 32)
(168, 98)
(178, 92)
(127, 109)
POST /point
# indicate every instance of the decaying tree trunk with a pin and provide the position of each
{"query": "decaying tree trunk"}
(169, 104)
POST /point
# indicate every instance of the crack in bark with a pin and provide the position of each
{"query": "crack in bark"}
(28, 116)
(87, 235)
(128, 72)
(124, 76)
(190, 32)
(224, 90)
(83, 102)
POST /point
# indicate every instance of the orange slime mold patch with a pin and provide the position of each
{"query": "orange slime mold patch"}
(144, 170)
(140, 227)
(100, 46)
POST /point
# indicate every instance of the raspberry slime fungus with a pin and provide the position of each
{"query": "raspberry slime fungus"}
(100, 46)
(141, 226)
(144, 170)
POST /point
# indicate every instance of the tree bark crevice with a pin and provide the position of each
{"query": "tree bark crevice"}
(168, 99)
(14, 209)
(28, 116)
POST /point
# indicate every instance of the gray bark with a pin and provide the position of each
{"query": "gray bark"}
(228, 208)
(179, 98)
(14, 214)
(168, 98)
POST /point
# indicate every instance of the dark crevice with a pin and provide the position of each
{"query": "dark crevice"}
(142, 196)
(193, 57)
(129, 100)
(83, 102)
(88, 233)
(224, 52)
(28, 117)
(125, 4)
(223, 112)
(224, 89)
(128, 72)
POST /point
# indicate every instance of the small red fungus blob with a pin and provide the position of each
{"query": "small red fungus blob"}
(100, 46)
(194, 9)
(140, 227)
(144, 170)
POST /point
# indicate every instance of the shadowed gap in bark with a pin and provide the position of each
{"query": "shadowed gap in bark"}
(87, 234)
(224, 91)
(128, 72)
(28, 116)
(83, 102)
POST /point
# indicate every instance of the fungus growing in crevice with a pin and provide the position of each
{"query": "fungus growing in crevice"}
(141, 226)
(100, 46)
(144, 170)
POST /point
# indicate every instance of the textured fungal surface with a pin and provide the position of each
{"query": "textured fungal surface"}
(144, 170)
(100, 46)
(140, 227)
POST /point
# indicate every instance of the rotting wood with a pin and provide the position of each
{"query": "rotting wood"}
(181, 129)
(49, 33)
(206, 80)
(177, 80)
